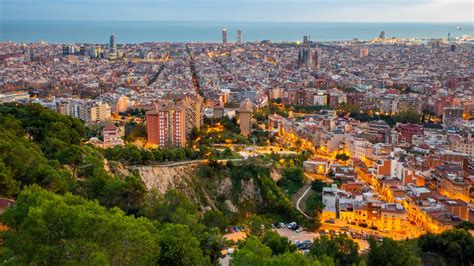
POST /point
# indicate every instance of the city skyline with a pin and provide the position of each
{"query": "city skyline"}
(240, 10)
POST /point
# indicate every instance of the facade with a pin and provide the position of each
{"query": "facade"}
(166, 127)
(407, 131)
(171, 123)
(111, 136)
(245, 117)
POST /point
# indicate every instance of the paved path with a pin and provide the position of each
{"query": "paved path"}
(306, 188)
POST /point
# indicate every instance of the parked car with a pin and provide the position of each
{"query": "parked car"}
(292, 225)
(282, 225)
(299, 230)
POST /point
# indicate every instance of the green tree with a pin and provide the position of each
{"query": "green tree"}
(215, 219)
(56, 230)
(278, 244)
(179, 246)
(342, 157)
(456, 245)
(390, 252)
(342, 249)
(252, 252)
(172, 207)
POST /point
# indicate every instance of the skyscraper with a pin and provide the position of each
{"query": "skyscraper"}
(239, 36)
(382, 35)
(112, 47)
(224, 36)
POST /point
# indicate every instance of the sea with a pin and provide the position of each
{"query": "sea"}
(145, 31)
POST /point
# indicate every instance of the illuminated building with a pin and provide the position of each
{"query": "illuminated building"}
(171, 123)
(166, 127)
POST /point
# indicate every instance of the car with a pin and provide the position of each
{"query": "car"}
(273, 226)
(292, 225)
(236, 229)
(282, 225)
(231, 229)
(330, 221)
(299, 230)
(230, 251)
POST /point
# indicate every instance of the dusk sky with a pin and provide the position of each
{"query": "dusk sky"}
(241, 10)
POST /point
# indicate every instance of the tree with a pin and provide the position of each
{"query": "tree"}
(278, 244)
(342, 157)
(390, 252)
(215, 219)
(57, 230)
(343, 250)
(252, 252)
(292, 179)
(179, 246)
(466, 225)
(172, 207)
(456, 245)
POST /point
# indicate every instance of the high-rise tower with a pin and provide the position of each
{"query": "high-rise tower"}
(224, 36)
(239, 36)
(112, 47)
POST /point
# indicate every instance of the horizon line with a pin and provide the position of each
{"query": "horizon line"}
(239, 21)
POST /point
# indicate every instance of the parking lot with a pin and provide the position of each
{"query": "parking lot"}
(308, 235)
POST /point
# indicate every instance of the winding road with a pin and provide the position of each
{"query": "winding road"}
(300, 198)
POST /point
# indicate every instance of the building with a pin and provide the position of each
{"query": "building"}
(172, 121)
(224, 36)
(307, 57)
(379, 131)
(165, 126)
(407, 131)
(14, 96)
(364, 52)
(450, 114)
(239, 36)
(112, 47)
(316, 166)
(111, 136)
(245, 117)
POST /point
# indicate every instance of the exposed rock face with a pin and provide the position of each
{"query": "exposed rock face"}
(182, 177)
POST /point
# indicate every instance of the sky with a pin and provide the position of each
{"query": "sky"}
(241, 10)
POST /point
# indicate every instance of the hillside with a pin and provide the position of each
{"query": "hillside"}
(237, 188)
